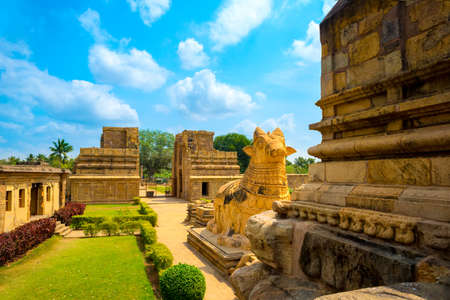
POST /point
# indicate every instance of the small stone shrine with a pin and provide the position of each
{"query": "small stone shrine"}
(198, 170)
(109, 174)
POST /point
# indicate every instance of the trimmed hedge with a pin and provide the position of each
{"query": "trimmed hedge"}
(148, 233)
(182, 282)
(129, 227)
(78, 222)
(24, 238)
(160, 255)
(91, 229)
(65, 214)
(109, 228)
(136, 200)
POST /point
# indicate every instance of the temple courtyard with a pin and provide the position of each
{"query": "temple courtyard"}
(106, 267)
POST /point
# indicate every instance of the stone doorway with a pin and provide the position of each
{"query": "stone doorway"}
(36, 199)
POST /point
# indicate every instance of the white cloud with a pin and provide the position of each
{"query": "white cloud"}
(90, 21)
(261, 96)
(9, 48)
(161, 108)
(10, 125)
(150, 10)
(236, 19)
(202, 97)
(286, 123)
(135, 69)
(65, 128)
(22, 81)
(327, 6)
(191, 54)
(309, 49)
(2, 140)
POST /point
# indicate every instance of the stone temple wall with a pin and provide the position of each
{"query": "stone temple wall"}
(110, 173)
(198, 170)
(386, 109)
(376, 210)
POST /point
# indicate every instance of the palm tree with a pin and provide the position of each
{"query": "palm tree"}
(60, 150)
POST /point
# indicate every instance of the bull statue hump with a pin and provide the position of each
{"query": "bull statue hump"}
(263, 183)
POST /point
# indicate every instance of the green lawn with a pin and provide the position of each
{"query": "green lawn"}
(110, 210)
(94, 268)
(159, 188)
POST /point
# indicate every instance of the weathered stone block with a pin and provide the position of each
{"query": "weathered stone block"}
(327, 64)
(340, 60)
(393, 63)
(348, 264)
(364, 49)
(351, 107)
(346, 172)
(366, 73)
(440, 171)
(340, 81)
(380, 198)
(334, 194)
(370, 23)
(414, 171)
(349, 33)
(431, 203)
(316, 172)
(327, 84)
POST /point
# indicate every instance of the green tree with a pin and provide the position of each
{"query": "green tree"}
(12, 160)
(60, 149)
(31, 158)
(234, 142)
(42, 157)
(156, 150)
(300, 165)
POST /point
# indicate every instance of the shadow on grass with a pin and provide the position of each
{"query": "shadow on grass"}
(150, 270)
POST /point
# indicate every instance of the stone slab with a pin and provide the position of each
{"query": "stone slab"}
(223, 258)
(346, 171)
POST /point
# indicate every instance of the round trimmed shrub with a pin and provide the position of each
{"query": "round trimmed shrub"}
(182, 282)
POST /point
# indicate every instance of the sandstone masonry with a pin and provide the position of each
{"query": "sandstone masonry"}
(111, 173)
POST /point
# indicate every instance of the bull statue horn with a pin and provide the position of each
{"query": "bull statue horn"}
(258, 132)
(278, 132)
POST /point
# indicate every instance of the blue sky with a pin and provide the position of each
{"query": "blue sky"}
(67, 68)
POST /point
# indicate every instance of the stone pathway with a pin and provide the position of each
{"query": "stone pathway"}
(172, 232)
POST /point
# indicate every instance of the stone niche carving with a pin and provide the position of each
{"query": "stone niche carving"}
(263, 183)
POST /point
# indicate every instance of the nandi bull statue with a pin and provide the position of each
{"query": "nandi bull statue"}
(263, 183)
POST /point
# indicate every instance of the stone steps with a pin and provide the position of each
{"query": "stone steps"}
(62, 229)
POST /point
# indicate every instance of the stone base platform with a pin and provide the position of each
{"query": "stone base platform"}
(205, 242)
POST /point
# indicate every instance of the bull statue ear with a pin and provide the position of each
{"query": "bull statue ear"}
(248, 150)
(290, 150)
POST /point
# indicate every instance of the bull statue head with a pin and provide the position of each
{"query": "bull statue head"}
(268, 147)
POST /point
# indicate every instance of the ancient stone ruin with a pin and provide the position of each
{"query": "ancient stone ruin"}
(108, 174)
(30, 191)
(264, 181)
(198, 170)
(376, 210)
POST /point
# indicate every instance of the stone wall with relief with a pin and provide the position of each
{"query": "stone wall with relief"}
(376, 209)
